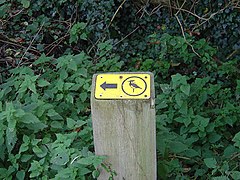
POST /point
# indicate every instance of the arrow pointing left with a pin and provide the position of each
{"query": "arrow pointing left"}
(108, 86)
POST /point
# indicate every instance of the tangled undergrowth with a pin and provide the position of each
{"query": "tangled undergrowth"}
(49, 51)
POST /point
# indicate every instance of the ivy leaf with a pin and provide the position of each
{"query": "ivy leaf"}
(25, 3)
(210, 162)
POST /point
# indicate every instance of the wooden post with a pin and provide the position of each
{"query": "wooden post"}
(124, 129)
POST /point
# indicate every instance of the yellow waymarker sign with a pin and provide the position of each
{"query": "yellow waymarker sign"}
(123, 86)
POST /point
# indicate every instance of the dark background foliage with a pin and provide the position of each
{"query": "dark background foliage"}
(49, 51)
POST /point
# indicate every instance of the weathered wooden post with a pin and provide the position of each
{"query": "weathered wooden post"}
(123, 116)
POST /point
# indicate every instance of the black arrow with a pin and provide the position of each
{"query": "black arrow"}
(109, 86)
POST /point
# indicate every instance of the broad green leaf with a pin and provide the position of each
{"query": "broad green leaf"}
(165, 88)
(11, 139)
(229, 151)
(20, 175)
(52, 112)
(236, 139)
(42, 59)
(178, 99)
(25, 3)
(69, 98)
(59, 97)
(40, 151)
(86, 161)
(83, 36)
(177, 147)
(23, 148)
(43, 83)
(73, 65)
(35, 169)
(29, 118)
(36, 126)
(82, 72)
(60, 158)
(210, 162)
(83, 96)
(57, 125)
(63, 74)
(32, 87)
(214, 137)
(235, 175)
(68, 85)
(59, 85)
(70, 123)
(26, 157)
(185, 89)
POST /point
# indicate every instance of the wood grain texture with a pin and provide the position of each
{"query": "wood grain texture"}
(124, 131)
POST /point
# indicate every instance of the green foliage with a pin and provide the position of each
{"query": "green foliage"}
(45, 125)
(49, 51)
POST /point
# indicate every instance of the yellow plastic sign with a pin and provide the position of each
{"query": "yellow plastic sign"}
(123, 86)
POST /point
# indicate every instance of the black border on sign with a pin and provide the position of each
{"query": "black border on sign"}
(134, 77)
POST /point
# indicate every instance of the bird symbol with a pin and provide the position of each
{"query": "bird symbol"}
(133, 85)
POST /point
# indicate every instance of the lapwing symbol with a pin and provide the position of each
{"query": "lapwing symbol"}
(133, 85)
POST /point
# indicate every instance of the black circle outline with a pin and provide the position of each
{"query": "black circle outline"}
(134, 77)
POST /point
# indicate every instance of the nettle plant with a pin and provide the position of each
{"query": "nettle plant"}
(45, 127)
(197, 129)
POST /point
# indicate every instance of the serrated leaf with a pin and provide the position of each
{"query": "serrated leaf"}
(185, 89)
(42, 59)
(23, 148)
(210, 162)
(11, 139)
(35, 169)
(235, 175)
(56, 124)
(20, 175)
(43, 83)
(178, 99)
(29, 118)
(83, 96)
(236, 139)
(60, 159)
(40, 151)
(32, 87)
(177, 147)
(165, 88)
(26, 157)
(72, 65)
(70, 123)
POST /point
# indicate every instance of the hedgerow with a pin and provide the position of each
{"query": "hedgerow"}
(49, 51)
